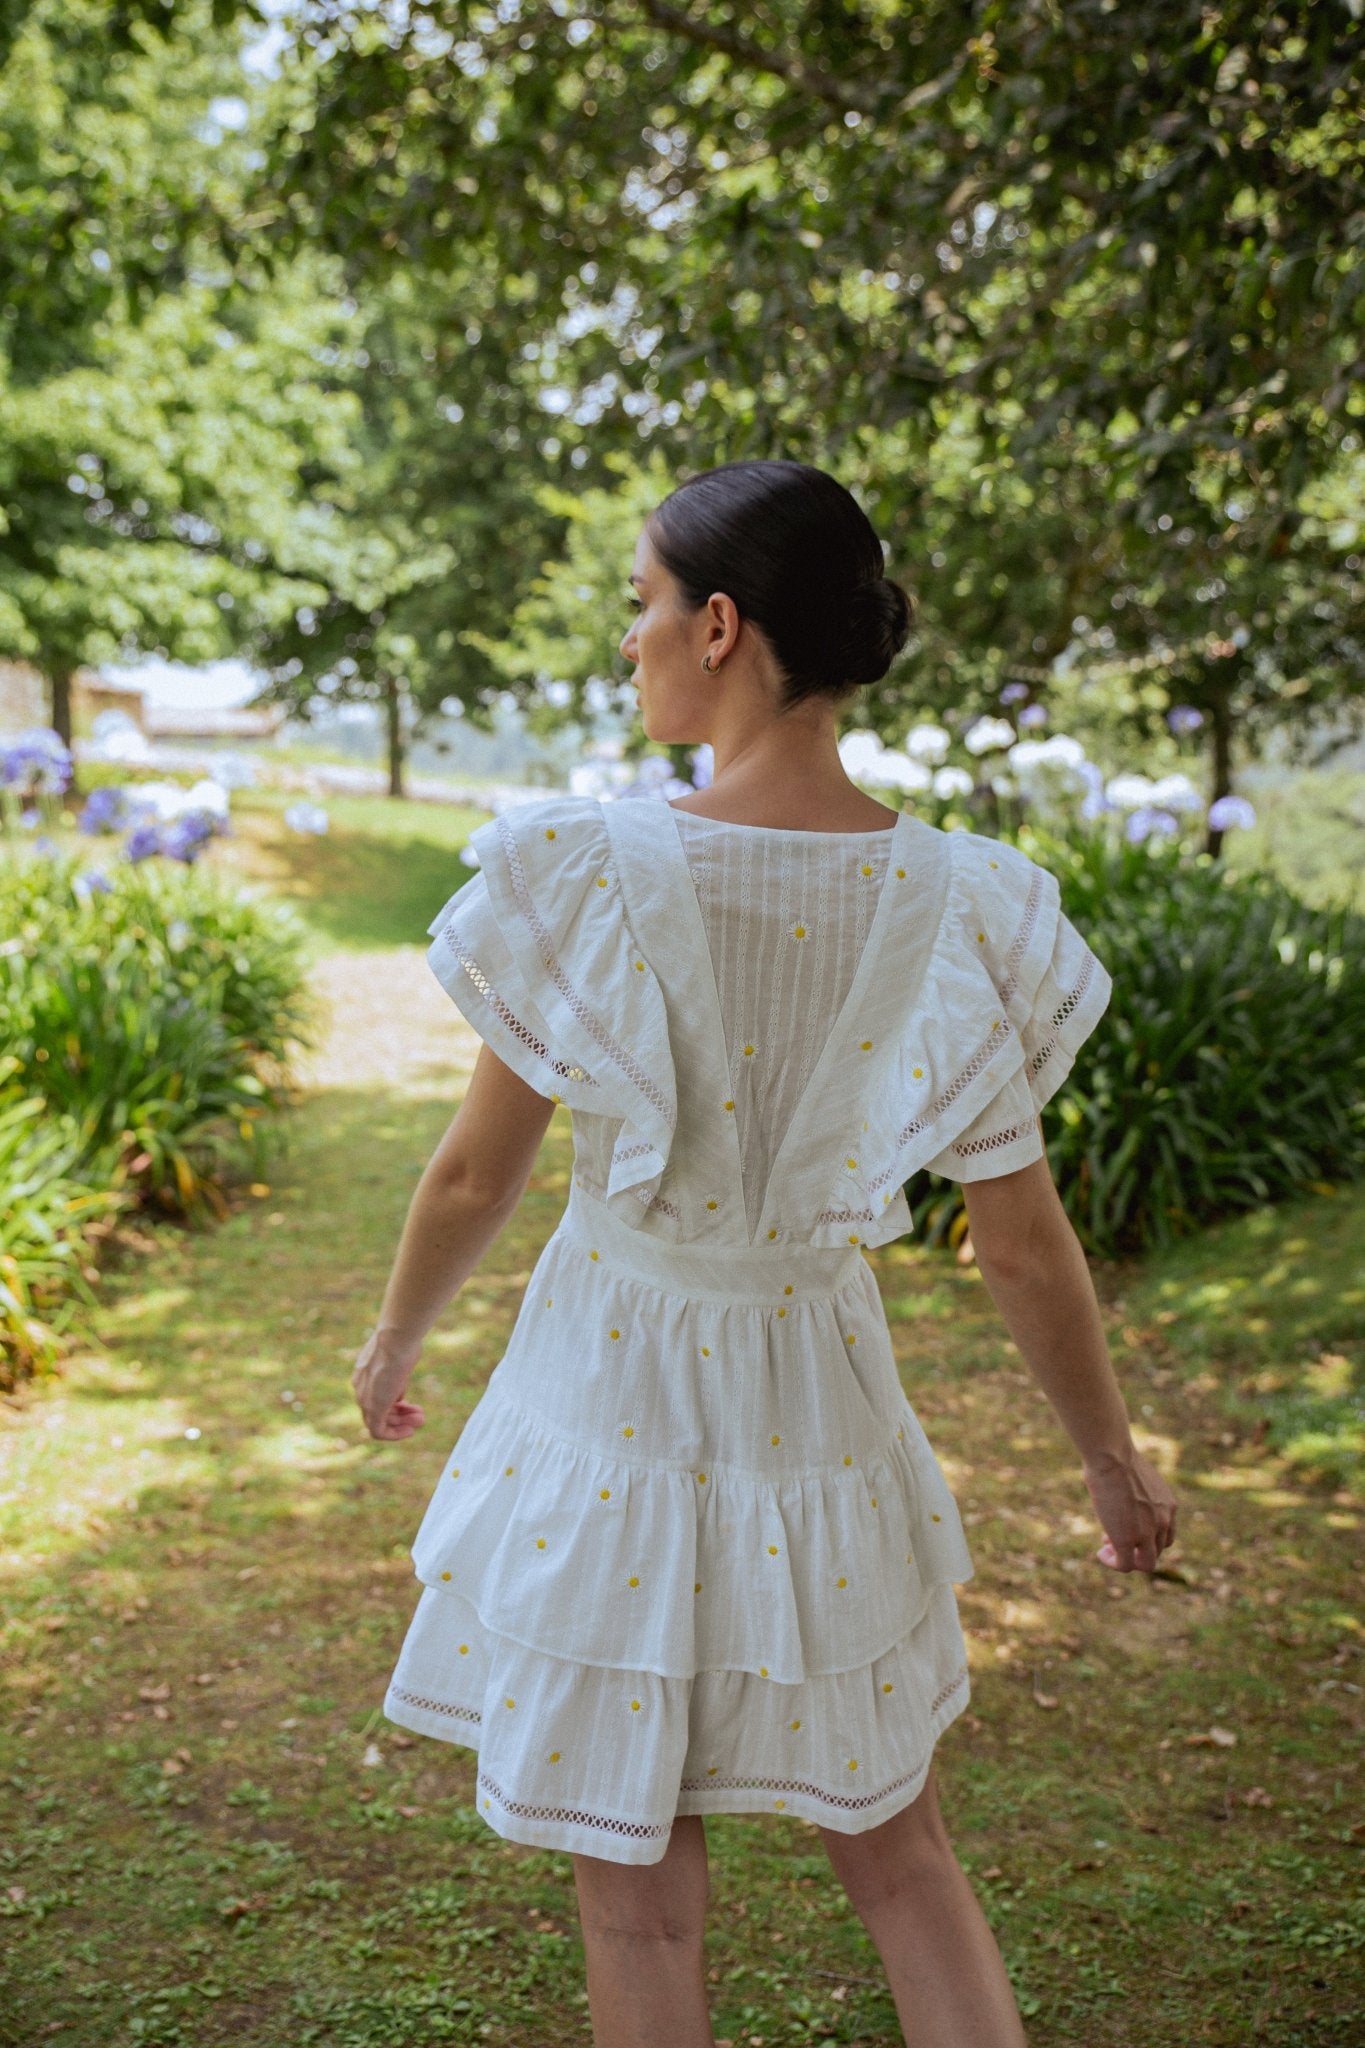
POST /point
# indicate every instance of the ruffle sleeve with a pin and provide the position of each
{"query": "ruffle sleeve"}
(536, 953)
(1014, 964)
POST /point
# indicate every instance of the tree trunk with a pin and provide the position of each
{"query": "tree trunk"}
(1220, 734)
(393, 704)
(60, 680)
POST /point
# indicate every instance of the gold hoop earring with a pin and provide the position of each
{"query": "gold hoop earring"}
(706, 664)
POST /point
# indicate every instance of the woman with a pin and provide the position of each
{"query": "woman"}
(693, 1552)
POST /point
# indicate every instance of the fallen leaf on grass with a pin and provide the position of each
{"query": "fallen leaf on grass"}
(154, 1692)
(409, 1812)
(1220, 1738)
(402, 1741)
(1256, 1795)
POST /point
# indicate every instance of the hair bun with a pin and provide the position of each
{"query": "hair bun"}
(872, 626)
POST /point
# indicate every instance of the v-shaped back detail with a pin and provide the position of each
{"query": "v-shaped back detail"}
(773, 939)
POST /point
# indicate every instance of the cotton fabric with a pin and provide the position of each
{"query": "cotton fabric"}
(693, 1552)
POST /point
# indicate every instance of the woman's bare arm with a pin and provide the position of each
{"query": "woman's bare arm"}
(1036, 1273)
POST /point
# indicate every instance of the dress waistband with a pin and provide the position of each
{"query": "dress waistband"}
(771, 1274)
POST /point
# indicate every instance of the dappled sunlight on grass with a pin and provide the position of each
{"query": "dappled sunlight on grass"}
(1146, 1790)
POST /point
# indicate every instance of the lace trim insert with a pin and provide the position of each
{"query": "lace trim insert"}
(1005, 1137)
(1060, 1015)
(564, 1070)
(624, 1059)
(417, 1699)
(641, 1830)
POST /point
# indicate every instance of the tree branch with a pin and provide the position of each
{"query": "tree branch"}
(822, 85)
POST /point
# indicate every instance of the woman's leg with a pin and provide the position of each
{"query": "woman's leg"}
(912, 1895)
(642, 1929)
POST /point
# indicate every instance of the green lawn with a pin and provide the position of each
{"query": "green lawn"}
(212, 1836)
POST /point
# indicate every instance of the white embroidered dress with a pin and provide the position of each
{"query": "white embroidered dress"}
(693, 1552)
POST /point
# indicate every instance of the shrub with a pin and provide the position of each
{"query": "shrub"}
(1226, 1071)
(151, 1018)
(45, 1217)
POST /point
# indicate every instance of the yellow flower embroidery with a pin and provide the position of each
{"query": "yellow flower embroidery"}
(796, 1724)
(841, 1582)
(851, 1339)
(800, 932)
(853, 1239)
(772, 1550)
(727, 1105)
(777, 1439)
(788, 1288)
(613, 1333)
(771, 1235)
(711, 1770)
(464, 1649)
(935, 1518)
(540, 1543)
(850, 1162)
(900, 1432)
(592, 1255)
(601, 881)
(511, 1703)
(888, 1687)
(554, 1756)
(639, 966)
(706, 1350)
(748, 1050)
(781, 1311)
(992, 863)
(847, 1458)
(853, 1763)
(635, 1706)
(554, 1097)
(701, 1479)
(697, 1586)
(713, 1205)
(874, 1500)
(445, 1575)
(549, 1301)
(981, 938)
(632, 1581)
(866, 1045)
(627, 1431)
(455, 1473)
(509, 1471)
(867, 867)
(779, 1804)
(549, 834)
(605, 1494)
(762, 1670)
(901, 872)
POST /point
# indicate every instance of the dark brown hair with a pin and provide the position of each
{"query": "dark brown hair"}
(799, 558)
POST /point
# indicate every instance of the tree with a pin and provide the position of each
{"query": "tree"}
(1043, 291)
(159, 418)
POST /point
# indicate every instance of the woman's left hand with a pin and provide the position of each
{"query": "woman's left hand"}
(379, 1377)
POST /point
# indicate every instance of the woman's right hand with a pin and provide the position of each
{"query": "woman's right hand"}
(1136, 1508)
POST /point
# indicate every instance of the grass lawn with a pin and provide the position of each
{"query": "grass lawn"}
(211, 1835)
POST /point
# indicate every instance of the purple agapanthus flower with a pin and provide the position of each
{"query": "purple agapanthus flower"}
(142, 842)
(1184, 718)
(1148, 822)
(1012, 692)
(1230, 810)
(106, 810)
(93, 882)
(40, 759)
(185, 835)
